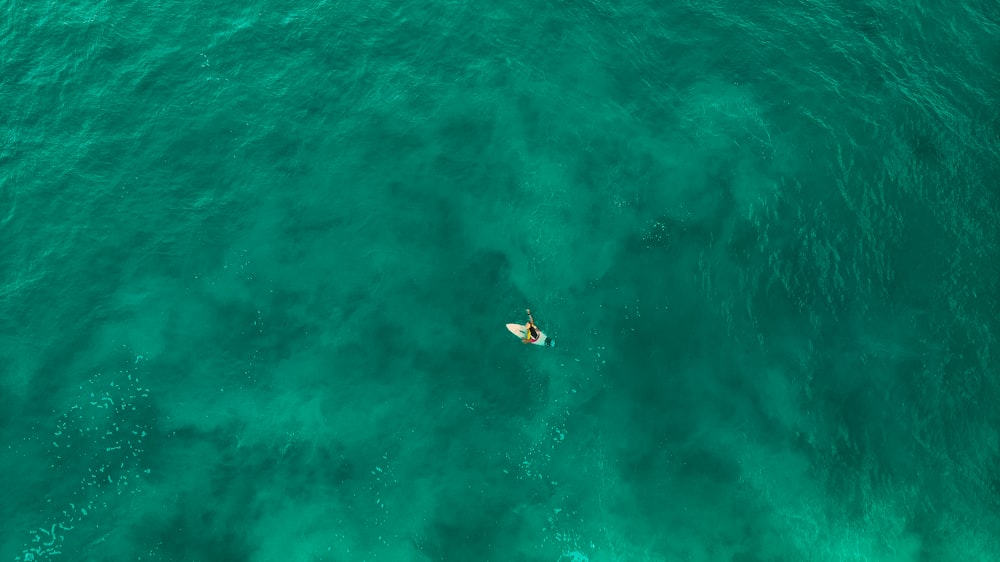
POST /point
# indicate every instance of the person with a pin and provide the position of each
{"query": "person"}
(531, 333)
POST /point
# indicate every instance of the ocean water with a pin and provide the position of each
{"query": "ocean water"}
(256, 261)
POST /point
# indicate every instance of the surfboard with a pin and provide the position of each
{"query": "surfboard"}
(518, 330)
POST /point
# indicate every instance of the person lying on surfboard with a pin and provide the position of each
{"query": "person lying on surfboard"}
(530, 333)
(530, 330)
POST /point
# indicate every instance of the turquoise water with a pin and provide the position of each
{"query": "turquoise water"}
(256, 262)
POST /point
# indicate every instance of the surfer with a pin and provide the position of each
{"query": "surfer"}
(531, 332)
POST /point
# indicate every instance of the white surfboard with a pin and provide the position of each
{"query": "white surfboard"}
(518, 330)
